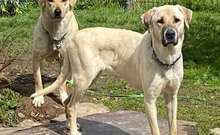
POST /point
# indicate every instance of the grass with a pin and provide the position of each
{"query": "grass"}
(201, 61)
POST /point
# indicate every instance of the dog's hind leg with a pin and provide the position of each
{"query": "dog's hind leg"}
(82, 81)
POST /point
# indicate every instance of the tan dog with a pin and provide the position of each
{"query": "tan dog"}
(56, 23)
(151, 62)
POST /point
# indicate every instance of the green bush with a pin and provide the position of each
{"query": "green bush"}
(84, 5)
(202, 42)
(11, 7)
(94, 4)
(200, 5)
(8, 104)
(195, 5)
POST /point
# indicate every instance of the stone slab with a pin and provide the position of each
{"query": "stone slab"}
(84, 109)
(6, 131)
(28, 123)
(113, 123)
(21, 126)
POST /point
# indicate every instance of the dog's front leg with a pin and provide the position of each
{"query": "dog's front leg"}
(171, 108)
(36, 60)
(150, 106)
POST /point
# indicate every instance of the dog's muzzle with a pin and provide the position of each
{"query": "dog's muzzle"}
(169, 37)
(57, 13)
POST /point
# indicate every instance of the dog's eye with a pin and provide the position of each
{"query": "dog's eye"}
(50, 0)
(176, 20)
(160, 21)
(64, 0)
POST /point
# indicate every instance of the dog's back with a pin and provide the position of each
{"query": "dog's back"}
(113, 49)
(109, 43)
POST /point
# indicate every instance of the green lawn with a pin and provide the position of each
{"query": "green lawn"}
(201, 61)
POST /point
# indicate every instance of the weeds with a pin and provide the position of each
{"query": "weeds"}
(9, 101)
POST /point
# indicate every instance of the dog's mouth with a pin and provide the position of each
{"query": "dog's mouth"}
(169, 42)
(169, 37)
(57, 17)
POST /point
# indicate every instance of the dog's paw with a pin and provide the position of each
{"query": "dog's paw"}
(75, 133)
(38, 101)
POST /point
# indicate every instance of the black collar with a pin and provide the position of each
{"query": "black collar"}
(167, 66)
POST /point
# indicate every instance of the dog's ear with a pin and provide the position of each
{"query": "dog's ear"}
(147, 17)
(72, 2)
(187, 14)
(42, 2)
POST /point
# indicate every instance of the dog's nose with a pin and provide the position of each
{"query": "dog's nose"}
(170, 36)
(57, 12)
(170, 33)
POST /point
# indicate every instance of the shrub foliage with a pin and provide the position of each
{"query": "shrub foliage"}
(11, 7)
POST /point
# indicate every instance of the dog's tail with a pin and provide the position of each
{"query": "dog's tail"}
(60, 79)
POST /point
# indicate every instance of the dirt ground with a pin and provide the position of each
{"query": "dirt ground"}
(21, 79)
(19, 74)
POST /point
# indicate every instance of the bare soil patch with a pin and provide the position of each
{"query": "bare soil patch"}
(21, 80)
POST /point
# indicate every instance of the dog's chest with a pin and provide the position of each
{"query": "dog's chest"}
(169, 75)
(172, 78)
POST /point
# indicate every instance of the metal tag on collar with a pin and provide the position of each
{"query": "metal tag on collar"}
(59, 43)
(167, 66)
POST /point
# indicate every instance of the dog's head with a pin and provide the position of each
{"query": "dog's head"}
(166, 23)
(57, 9)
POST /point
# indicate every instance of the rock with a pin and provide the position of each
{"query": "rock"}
(28, 123)
(215, 131)
(23, 125)
(6, 131)
(188, 123)
(84, 109)
(32, 114)
(47, 112)
(21, 115)
(55, 106)
(4, 82)
(61, 117)
(114, 123)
